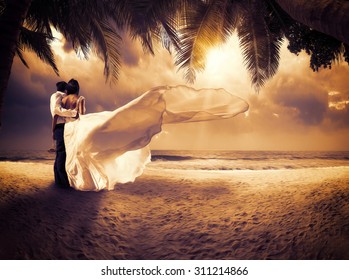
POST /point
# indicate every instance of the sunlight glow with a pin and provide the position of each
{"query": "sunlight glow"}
(332, 93)
(337, 101)
(215, 59)
(225, 69)
(339, 105)
(58, 43)
(222, 59)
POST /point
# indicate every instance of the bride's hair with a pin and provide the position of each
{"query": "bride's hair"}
(73, 87)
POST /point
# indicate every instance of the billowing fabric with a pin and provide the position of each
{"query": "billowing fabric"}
(107, 148)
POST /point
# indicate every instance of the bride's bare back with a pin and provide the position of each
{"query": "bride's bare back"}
(69, 101)
(73, 101)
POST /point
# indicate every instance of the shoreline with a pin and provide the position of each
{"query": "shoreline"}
(177, 214)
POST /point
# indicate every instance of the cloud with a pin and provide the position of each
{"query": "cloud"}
(67, 46)
(131, 52)
(307, 102)
(309, 96)
(293, 111)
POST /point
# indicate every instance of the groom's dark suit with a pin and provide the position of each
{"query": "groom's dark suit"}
(61, 178)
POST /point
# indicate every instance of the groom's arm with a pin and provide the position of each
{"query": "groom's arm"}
(57, 109)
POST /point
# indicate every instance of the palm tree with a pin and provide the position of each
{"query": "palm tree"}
(87, 24)
(261, 26)
(26, 24)
(212, 22)
(11, 19)
(204, 24)
(326, 16)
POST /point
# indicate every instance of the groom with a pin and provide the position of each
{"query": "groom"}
(60, 174)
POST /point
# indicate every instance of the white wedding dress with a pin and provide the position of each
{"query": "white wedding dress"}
(107, 148)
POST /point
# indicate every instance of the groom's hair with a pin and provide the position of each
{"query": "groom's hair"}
(73, 87)
(61, 86)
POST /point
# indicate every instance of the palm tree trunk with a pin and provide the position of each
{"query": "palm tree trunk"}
(327, 16)
(11, 21)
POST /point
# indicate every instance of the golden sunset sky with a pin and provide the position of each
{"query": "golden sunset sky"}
(297, 109)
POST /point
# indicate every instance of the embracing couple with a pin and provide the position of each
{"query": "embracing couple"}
(99, 150)
(65, 106)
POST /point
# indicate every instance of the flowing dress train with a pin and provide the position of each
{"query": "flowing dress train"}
(107, 148)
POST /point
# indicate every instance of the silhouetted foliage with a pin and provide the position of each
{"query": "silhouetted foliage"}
(322, 49)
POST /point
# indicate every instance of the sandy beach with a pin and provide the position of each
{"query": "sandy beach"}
(177, 214)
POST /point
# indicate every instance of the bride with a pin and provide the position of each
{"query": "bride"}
(107, 148)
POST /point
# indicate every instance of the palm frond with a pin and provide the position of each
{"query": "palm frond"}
(170, 20)
(107, 44)
(260, 45)
(19, 53)
(39, 14)
(207, 24)
(142, 21)
(73, 21)
(149, 21)
(168, 36)
(120, 12)
(165, 39)
(85, 24)
(39, 43)
(2, 6)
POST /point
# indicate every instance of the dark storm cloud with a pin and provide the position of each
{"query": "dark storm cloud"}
(310, 100)
(310, 108)
(26, 107)
(339, 118)
(306, 96)
(33, 96)
(31, 91)
(23, 122)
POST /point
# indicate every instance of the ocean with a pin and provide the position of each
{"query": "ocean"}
(215, 160)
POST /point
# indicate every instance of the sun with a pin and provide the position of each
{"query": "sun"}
(215, 59)
(225, 67)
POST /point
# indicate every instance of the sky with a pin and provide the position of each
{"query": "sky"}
(297, 109)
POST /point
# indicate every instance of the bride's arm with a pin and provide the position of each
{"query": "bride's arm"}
(81, 105)
(57, 108)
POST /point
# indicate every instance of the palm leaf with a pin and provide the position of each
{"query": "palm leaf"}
(67, 16)
(107, 44)
(85, 24)
(149, 21)
(2, 6)
(39, 43)
(19, 53)
(168, 35)
(39, 15)
(170, 21)
(346, 52)
(206, 24)
(259, 43)
(75, 27)
(142, 21)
